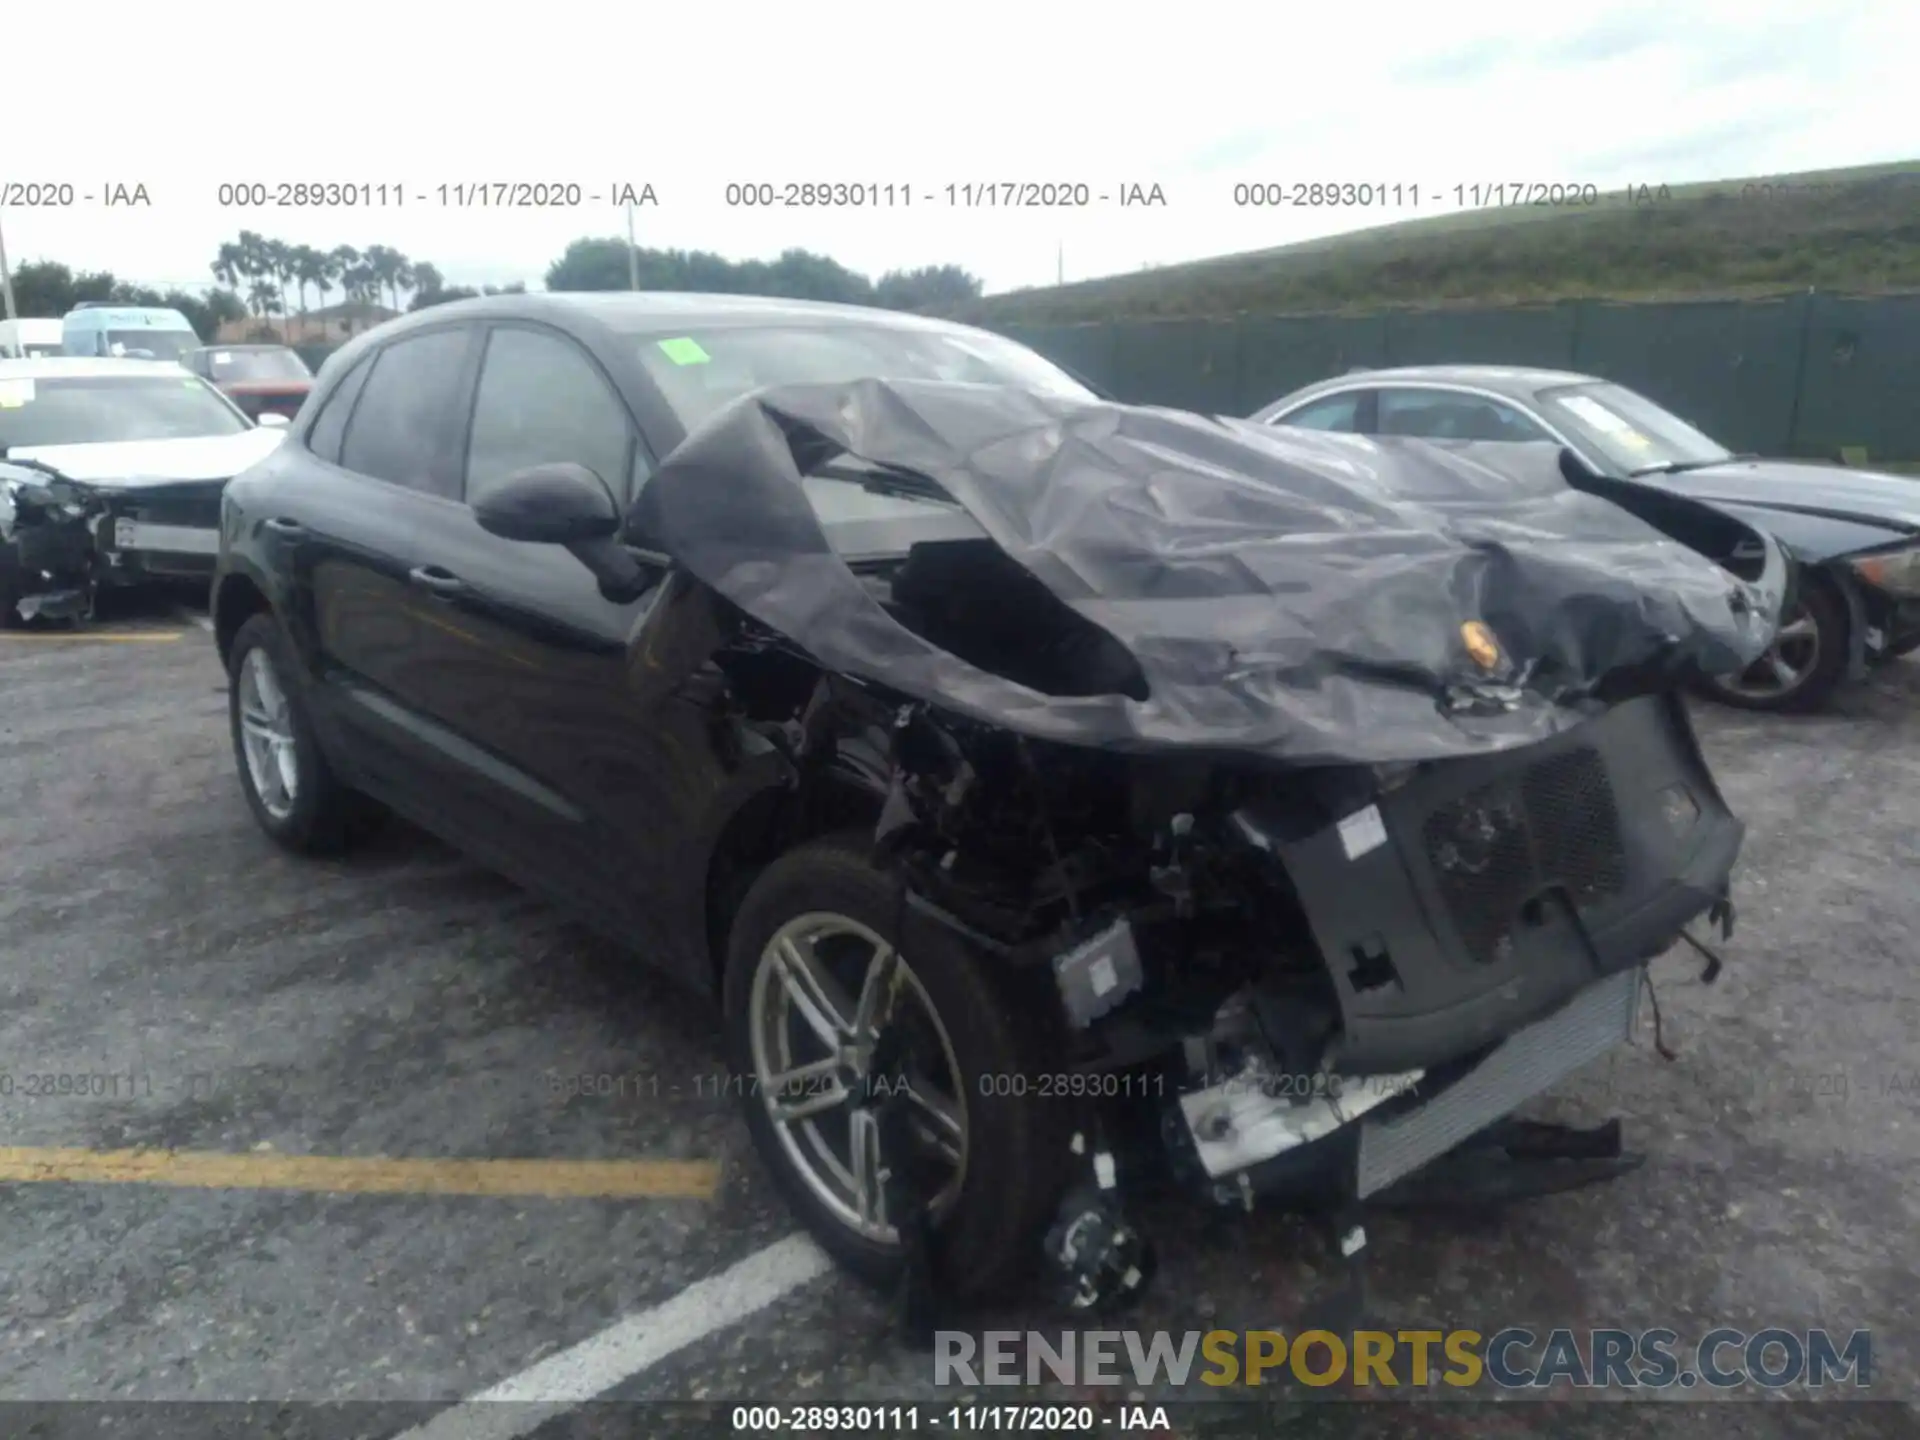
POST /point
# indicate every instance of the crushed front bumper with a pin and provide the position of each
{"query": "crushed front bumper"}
(1360, 1138)
(1486, 924)
(1482, 894)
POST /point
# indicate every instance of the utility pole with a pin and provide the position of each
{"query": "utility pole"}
(633, 255)
(6, 280)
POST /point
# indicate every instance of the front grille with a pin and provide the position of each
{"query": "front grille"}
(1552, 825)
(199, 509)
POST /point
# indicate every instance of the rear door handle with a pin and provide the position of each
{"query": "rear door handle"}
(441, 582)
(280, 525)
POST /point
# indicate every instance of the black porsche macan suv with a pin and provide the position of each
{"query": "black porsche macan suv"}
(1048, 789)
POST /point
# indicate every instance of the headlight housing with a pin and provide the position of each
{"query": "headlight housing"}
(1897, 572)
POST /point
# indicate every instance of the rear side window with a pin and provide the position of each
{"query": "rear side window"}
(1444, 415)
(1337, 412)
(542, 401)
(399, 427)
(324, 439)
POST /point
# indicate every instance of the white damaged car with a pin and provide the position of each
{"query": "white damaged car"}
(155, 443)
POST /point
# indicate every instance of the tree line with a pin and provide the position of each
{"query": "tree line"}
(260, 278)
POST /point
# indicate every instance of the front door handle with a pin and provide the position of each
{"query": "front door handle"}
(440, 582)
(280, 525)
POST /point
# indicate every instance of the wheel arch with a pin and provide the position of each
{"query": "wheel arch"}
(237, 598)
(846, 793)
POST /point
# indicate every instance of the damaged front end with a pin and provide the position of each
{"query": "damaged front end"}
(1331, 798)
(47, 569)
(1307, 985)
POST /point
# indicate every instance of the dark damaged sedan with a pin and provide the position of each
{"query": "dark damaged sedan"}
(1854, 534)
(1057, 795)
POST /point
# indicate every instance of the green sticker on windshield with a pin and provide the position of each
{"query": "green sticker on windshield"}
(684, 351)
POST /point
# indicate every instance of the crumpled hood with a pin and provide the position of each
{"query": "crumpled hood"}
(135, 463)
(1839, 492)
(1287, 594)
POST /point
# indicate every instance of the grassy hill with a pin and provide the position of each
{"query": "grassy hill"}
(1855, 230)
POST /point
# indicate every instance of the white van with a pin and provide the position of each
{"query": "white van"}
(29, 339)
(134, 332)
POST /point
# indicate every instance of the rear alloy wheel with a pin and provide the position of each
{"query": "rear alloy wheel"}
(880, 1086)
(289, 786)
(1803, 665)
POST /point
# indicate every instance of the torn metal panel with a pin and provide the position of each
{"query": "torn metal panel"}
(1299, 597)
(46, 545)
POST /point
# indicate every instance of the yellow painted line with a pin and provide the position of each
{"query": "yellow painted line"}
(373, 1175)
(146, 637)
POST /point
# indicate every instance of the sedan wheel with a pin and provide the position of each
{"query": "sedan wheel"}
(1787, 664)
(840, 1028)
(1805, 662)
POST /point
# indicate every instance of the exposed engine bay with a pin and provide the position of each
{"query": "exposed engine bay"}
(1331, 804)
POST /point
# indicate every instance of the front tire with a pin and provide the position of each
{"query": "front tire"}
(810, 969)
(1802, 667)
(291, 789)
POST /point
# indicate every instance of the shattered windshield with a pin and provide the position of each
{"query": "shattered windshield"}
(701, 372)
(1629, 430)
(91, 409)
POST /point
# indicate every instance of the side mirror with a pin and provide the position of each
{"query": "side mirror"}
(563, 504)
(567, 504)
(273, 421)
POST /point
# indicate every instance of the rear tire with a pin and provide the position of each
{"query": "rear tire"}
(1824, 616)
(991, 1215)
(293, 793)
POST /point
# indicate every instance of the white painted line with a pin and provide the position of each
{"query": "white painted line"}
(559, 1383)
(205, 622)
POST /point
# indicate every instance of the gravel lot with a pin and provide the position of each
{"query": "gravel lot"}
(404, 1004)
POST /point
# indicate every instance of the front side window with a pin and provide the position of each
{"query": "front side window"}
(1448, 415)
(542, 401)
(398, 429)
(99, 409)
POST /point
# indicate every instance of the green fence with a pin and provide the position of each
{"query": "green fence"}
(1805, 375)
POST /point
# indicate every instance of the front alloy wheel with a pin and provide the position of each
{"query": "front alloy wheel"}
(887, 1083)
(841, 1028)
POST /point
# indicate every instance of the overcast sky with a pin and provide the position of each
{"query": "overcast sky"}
(1194, 97)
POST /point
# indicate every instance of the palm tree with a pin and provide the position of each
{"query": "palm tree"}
(309, 268)
(278, 255)
(226, 265)
(391, 271)
(265, 298)
(326, 271)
